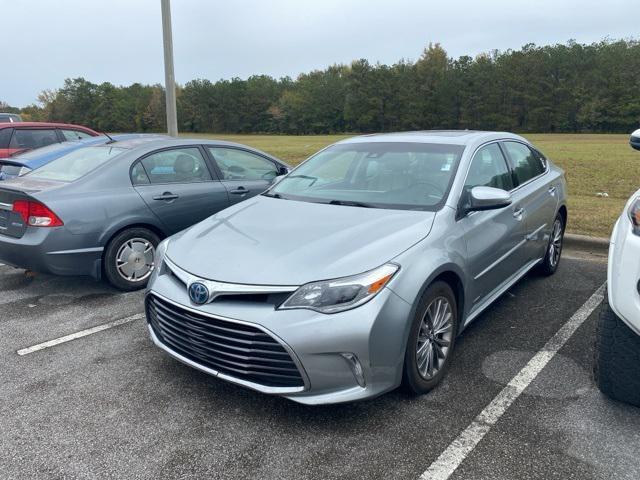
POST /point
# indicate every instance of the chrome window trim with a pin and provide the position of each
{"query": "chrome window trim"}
(533, 179)
(506, 159)
(254, 386)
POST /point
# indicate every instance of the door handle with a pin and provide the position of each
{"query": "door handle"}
(239, 191)
(166, 196)
(518, 213)
(552, 190)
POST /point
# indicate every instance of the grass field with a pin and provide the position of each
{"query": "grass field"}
(594, 163)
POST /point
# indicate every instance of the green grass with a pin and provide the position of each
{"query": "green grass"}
(594, 163)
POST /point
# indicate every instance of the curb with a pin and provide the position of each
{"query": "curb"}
(586, 244)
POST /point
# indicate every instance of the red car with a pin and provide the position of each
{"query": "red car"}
(21, 136)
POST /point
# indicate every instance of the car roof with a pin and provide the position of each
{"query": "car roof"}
(160, 141)
(455, 137)
(44, 125)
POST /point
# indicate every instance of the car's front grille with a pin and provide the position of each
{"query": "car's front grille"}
(235, 349)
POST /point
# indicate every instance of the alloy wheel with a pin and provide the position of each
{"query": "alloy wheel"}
(555, 243)
(135, 259)
(434, 337)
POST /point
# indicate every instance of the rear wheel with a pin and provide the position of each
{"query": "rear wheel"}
(129, 258)
(616, 365)
(554, 248)
(431, 339)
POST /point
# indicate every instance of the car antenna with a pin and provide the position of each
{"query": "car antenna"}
(111, 140)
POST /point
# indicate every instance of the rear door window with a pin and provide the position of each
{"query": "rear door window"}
(178, 165)
(5, 137)
(32, 138)
(238, 164)
(524, 162)
(74, 135)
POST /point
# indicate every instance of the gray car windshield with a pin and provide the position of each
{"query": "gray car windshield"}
(376, 174)
(76, 164)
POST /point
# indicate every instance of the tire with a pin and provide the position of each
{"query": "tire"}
(616, 365)
(553, 254)
(416, 378)
(127, 245)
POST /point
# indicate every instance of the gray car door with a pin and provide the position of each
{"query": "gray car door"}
(495, 238)
(539, 197)
(243, 173)
(178, 186)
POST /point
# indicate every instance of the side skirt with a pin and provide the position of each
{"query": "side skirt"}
(498, 292)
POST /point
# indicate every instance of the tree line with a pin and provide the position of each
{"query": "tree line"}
(568, 87)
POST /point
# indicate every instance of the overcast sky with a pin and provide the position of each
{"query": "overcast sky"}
(120, 41)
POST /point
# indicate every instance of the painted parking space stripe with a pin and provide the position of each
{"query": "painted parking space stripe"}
(80, 334)
(444, 466)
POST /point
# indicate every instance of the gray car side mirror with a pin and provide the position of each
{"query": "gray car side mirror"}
(488, 198)
(634, 141)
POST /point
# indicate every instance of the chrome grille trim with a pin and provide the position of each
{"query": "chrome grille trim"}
(217, 289)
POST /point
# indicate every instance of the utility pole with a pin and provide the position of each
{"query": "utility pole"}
(169, 77)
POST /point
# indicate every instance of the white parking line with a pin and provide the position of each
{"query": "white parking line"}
(80, 334)
(463, 445)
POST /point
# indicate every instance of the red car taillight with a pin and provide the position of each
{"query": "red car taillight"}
(36, 214)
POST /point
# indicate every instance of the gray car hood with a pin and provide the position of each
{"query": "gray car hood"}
(269, 241)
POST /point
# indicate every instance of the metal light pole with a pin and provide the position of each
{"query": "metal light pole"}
(169, 78)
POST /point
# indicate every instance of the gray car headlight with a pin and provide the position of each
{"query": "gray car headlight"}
(158, 260)
(340, 294)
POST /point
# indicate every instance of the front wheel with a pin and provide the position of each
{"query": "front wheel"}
(431, 339)
(129, 258)
(616, 365)
(551, 259)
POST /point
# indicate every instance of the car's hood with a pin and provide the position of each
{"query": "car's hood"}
(268, 241)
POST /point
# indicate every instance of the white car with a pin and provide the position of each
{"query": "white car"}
(617, 353)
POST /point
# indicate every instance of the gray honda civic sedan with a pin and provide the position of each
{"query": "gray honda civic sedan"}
(356, 272)
(103, 209)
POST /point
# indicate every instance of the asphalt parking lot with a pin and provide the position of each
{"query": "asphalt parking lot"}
(111, 405)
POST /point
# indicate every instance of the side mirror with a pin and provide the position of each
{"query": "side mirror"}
(634, 141)
(488, 198)
(282, 170)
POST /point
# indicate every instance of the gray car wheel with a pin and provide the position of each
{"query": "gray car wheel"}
(129, 258)
(431, 338)
(554, 248)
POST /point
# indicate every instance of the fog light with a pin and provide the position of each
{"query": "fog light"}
(356, 367)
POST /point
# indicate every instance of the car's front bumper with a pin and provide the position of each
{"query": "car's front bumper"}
(372, 336)
(623, 276)
(51, 250)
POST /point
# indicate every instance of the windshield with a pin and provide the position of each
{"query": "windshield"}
(75, 164)
(381, 175)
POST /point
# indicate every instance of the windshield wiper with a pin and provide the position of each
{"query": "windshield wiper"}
(306, 177)
(272, 195)
(350, 203)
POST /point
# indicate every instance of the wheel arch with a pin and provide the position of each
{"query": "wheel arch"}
(565, 214)
(453, 275)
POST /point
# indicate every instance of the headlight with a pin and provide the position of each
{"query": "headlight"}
(332, 296)
(161, 249)
(634, 215)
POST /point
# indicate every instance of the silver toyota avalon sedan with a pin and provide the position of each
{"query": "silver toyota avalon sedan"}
(356, 272)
